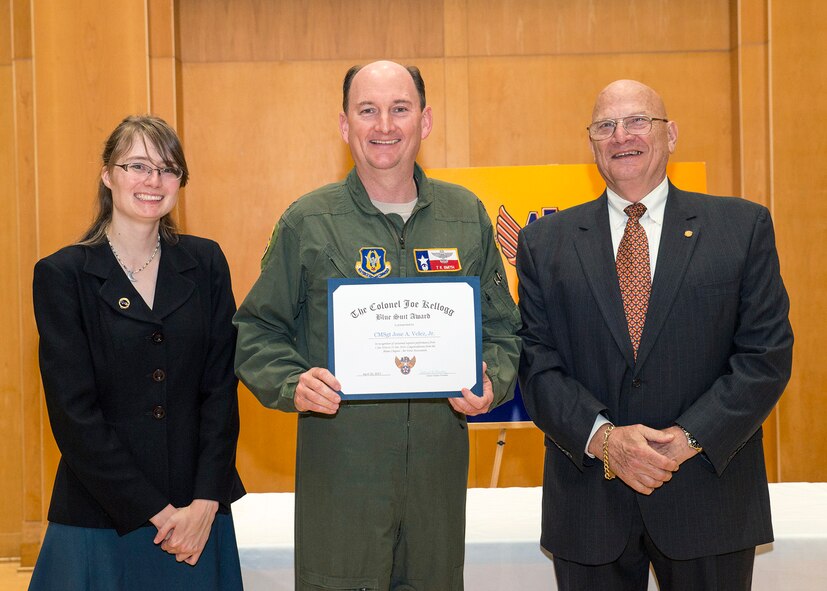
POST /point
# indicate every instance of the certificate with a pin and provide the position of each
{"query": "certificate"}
(405, 338)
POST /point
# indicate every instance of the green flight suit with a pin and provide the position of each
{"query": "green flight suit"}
(380, 486)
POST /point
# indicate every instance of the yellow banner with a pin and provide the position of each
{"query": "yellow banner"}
(517, 195)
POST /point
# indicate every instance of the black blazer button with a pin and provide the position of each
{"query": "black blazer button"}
(158, 375)
(159, 412)
(157, 337)
(636, 383)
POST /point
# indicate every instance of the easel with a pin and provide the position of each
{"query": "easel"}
(498, 455)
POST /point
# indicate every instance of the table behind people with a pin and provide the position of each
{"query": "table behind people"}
(502, 549)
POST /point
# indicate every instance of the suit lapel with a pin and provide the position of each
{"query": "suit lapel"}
(681, 229)
(172, 288)
(116, 290)
(593, 244)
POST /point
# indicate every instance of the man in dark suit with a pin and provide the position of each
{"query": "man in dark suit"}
(656, 341)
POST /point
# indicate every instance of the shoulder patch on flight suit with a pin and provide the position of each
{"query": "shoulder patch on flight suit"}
(266, 252)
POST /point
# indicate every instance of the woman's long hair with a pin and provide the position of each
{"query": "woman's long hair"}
(152, 131)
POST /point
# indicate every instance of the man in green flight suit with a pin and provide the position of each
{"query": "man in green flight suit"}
(380, 486)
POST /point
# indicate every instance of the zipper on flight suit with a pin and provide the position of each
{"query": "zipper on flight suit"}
(400, 240)
(400, 236)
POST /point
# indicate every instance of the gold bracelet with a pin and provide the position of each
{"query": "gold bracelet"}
(607, 472)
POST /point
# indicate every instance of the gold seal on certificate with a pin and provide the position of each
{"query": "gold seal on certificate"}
(405, 338)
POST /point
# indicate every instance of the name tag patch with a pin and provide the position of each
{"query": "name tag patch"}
(433, 260)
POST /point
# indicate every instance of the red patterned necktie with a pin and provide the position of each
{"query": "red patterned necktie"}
(633, 272)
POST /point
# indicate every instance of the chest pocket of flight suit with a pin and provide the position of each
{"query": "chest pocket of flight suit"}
(329, 264)
(335, 265)
(312, 305)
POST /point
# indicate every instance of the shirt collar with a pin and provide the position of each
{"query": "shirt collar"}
(655, 203)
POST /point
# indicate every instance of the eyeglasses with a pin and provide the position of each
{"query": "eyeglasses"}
(143, 171)
(633, 124)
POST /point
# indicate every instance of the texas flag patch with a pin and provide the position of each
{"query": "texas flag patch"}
(432, 260)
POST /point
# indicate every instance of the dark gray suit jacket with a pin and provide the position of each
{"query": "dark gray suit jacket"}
(714, 357)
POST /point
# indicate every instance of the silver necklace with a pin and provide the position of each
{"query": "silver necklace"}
(129, 272)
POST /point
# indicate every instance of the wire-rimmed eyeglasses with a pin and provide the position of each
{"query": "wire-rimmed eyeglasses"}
(144, 171)
(633, 124)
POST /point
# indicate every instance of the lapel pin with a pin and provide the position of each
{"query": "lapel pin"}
(123, 303)
(688, 233)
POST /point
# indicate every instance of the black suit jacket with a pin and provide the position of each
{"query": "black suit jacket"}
(142, 403)
(714, 357)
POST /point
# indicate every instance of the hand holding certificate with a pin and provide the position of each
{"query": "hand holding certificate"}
(405, 338)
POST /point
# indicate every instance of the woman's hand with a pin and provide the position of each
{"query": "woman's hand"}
(160, 518)
(185, 533)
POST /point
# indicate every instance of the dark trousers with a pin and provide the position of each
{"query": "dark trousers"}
(630, 572)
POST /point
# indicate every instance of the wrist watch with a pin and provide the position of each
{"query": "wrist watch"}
(691, 441)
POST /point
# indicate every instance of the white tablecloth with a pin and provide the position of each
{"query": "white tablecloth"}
(502, 548)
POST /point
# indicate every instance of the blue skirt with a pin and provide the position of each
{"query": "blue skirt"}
(88, 559)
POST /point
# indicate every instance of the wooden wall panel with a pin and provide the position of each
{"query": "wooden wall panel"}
(547, 125)
(21, 513)
(606, 27)
(522, 457)
(752, 128)
(163, 72)
(753, 94)
(251, 31)
(456, 123)
(27, 249)
(455, 19)
(6, 39)
(258, 136)
(164, 63)
(798, 60)
(161, 17)
(81, 95)
(267, 446)
(11, 429)
(21, 22)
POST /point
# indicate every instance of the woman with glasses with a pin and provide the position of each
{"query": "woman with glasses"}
(136, 357)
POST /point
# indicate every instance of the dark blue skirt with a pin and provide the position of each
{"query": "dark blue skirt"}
(88, 559)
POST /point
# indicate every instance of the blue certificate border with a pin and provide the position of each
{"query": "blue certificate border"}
(473, 281)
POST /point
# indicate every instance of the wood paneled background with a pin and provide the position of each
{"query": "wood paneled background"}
(254, 88)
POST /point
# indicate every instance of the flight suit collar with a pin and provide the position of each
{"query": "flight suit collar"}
(359, 195)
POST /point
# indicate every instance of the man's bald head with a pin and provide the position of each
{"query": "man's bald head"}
(416, 76)
(628, 90)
